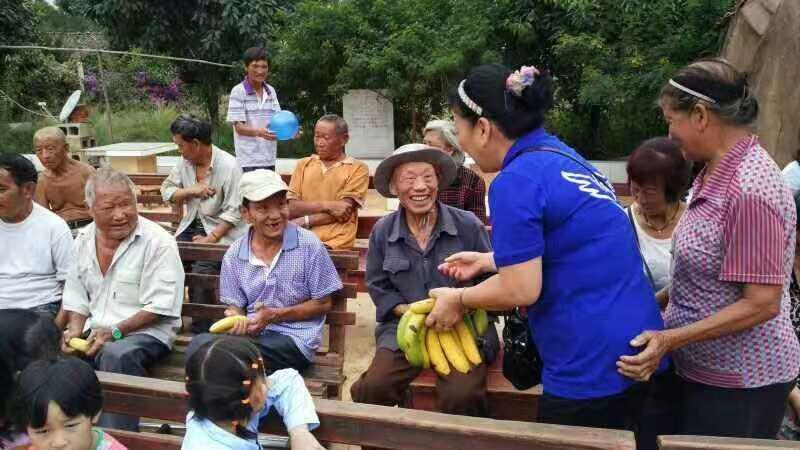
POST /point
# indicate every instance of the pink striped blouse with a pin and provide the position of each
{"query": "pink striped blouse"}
(739, 229)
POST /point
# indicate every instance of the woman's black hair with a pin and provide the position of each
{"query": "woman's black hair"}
(715, 78)
(660, 159)
(190, 127)
(219, 378)
(514, 116)
(25, 336)
(69, 382)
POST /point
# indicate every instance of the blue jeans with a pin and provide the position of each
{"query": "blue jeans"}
(129, 355)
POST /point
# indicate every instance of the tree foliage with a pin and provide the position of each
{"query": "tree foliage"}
(214, 30)
(610, 57)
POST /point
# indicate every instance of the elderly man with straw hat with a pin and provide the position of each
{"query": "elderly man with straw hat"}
(405, 249)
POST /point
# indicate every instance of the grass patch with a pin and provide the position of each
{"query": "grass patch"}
(143, 125)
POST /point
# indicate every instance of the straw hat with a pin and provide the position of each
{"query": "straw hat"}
(446, 168)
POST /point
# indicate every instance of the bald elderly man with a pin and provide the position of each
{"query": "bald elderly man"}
(61, 186)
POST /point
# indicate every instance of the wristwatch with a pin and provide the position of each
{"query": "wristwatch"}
(116, 334)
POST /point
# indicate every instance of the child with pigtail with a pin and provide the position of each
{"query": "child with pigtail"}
(229, 393)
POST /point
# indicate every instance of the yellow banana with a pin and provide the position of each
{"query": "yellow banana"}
(423, 306)
(415, 324)
(426, 361)
(452, 349)
(79, 344)
(481, 320)
(468, 343)
(436, 354)
(401, 330)
(224, 325)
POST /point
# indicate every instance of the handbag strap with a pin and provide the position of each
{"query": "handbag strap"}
(599, 180)
(638, 246)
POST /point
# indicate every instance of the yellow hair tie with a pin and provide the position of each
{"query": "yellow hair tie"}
(246, 382)
(246, 401)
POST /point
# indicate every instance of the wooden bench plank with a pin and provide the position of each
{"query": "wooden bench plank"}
(146, 441)
(349, 290)
(216, 312)
(190, 251)
(371, 425)
(681, 442)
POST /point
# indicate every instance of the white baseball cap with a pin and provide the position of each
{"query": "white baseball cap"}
(259, 184)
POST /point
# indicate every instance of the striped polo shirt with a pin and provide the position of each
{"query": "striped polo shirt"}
(739, 229)
(245, 106)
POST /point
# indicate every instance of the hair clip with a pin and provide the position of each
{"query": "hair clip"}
(246, 382)
(246, 401)
(522, 78)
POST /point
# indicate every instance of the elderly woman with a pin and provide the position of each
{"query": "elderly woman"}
(658, 176)
(727, 317)
(563, 249)
(467, 191)
(405, 249)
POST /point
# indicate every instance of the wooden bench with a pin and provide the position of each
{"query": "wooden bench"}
(370, 425)
(505, 401)
(677, 442)
(146, 441)
(325, 376)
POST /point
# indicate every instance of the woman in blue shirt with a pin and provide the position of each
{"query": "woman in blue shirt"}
(563, 248)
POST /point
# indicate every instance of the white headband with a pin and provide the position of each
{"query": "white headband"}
(468, 101)
(691, 92)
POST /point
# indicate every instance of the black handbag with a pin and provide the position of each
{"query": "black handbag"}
(521, 363)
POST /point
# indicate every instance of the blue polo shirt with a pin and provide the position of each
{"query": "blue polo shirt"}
(595, 294)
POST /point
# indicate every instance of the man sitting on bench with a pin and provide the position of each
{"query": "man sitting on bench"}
(405, 249)
(206, 179)
(279, 275)
(125, 287)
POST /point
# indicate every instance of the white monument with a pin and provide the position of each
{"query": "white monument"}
(370, 119)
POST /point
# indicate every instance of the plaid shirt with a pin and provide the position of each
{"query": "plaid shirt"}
(468, 192)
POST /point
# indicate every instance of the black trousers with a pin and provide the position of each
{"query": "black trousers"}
(278, 351)
(679, 406)
(620, 411)
(196, 294)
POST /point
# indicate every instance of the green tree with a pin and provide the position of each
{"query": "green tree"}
(611, 58)
(413, 49)
(214, 30)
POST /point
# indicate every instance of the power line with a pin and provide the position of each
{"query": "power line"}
(26, 109)
(114, 52)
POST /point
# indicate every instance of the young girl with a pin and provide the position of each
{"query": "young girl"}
(229, 393)
(24, 336)
(56, 402)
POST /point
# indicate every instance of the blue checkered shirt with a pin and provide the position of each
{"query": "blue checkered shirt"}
(303, 271)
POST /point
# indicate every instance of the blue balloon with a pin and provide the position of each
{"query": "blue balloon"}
(284, 124)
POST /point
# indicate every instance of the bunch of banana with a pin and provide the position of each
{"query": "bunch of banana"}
(425, 347)
(226, 324)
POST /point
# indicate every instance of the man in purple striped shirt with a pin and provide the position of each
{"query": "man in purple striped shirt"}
(279, 275)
